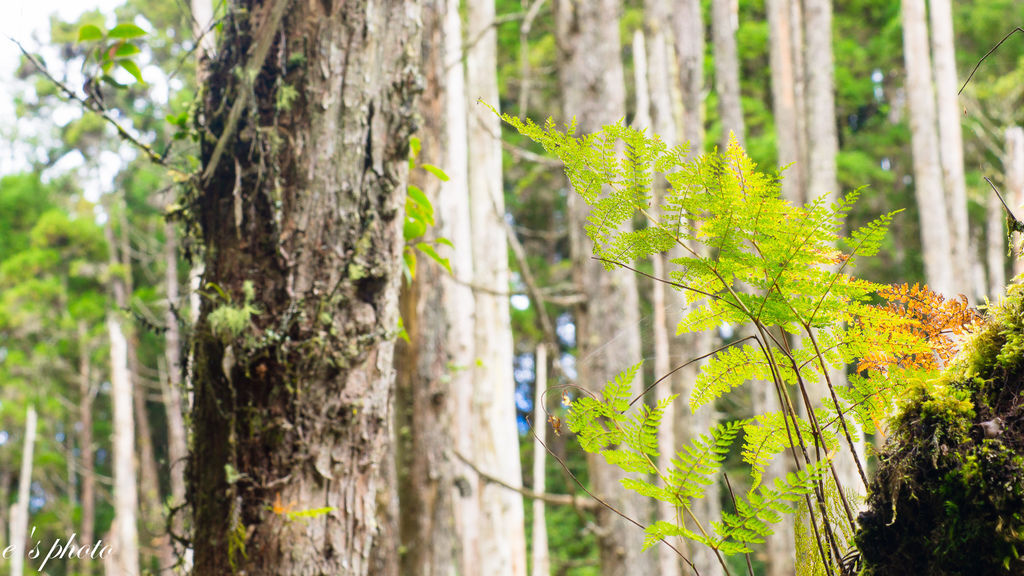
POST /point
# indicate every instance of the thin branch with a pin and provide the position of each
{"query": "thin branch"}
(987, 54)
(555, 499)
(92, 105)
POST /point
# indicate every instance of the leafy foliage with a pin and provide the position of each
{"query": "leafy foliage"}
(749, 258)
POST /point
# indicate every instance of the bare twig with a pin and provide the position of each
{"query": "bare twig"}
(555, 499)
(987, 54)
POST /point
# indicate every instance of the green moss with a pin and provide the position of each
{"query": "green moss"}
(948, 496)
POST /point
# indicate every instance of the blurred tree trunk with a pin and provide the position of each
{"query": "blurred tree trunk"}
(126, 502)
(540, 559)
(501, 545)
(782, 53)
(310, 107)
(593, 90)
(1014, 194)
(19, 513)
(935, 233)
(177, 443)
(438, 316)
(87, 525)
(724, 21)
(688, 40)
(951, 148)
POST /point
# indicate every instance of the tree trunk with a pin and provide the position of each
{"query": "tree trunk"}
(19, 514)
(436, 318)
(310, 106)
(87, 526)
(502, 537)
(541, 562)
(593, 90)
(931, 203)
(951, 148)
(782, 55)
(1013, 165)
(724, 21)
(688, 28)
(126, 501)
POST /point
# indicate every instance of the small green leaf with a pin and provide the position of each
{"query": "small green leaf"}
(89, 32)
(108, 79)
(125, 49)
(445, 242)
(409, 258)
(132, 69)
(436, 172)
(414, 147)
(429, 251)
(401, 330)
(420, 198)
(125, 31)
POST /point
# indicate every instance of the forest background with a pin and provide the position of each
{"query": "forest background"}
(90, 225)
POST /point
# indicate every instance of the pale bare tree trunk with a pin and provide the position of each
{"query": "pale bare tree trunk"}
(1013, 165)
(652, 86)
(126, 501)
(177, 443)
(782, 55)
(502, 541)
(539, 546)
(688, 26)
(724, 22)
(951, 148)
(935, 236)
(688, 29)
(87, 528)
(593, 90)
(19, 513)
(431, 368)
(822, 180)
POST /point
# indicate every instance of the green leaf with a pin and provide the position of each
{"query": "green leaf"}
(89, 33)
(132, 69)
(436, 172)
(414, 228)
(125, 49)
(429, 251)
(409, 268)
(125, 31)
(445, 242)
(414, 147)
(420, 198)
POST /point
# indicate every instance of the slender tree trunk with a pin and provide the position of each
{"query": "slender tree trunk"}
(951, 148)
(1013, 165)
(126, 501)
(592, 84)
(931, 203)
(436, 319)
(301, 213)
(502, 540)
(784, 98)
(539, 545)
(724, 21)
(19, 515)
(87, 526)
(688, 28)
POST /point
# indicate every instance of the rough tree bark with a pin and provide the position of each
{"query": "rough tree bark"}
(727, 70)
(592, 84)
(309, 107)
(501, 544)
(931, 202)
(951, 147)
(438, 316)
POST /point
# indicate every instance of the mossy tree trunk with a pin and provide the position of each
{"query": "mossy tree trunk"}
(309, 107)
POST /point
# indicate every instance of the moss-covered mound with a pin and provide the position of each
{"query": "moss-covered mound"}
(948, 496)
